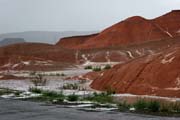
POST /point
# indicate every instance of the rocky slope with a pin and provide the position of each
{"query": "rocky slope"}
(156, 75)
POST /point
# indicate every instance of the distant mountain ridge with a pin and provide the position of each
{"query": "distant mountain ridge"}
(9, 41)
(43, 36)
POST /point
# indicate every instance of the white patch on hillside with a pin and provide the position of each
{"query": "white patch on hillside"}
(165, 31)
(84, 57)
(102, 74)
(87, 62)
(108, 56)
(165, 60)
(174, 89)
(178, 31)
(170, 54)
(151, 52)
(15, 65)
(47, 63)
(170, 35)
(177, 82)
(1, 76)
(26, 62)
(168, 58)
(130, 54)
(138, 52)
(7, 65)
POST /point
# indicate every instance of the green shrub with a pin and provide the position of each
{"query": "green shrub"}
(62, 74)
(107, 67)
(100, 98)
(123, 106)
(5, 91)
(47, 95)
(153, 106)
(51, 94)
(96, 69)
(88, 67)
(17, 93)
(72, 97)
(140, 105)
(35, 90)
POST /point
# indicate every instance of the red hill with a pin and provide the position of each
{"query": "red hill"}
(27, 55)
(73, 42)
(156, 74)
(133, 30)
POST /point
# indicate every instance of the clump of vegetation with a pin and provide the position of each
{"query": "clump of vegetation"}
(51, 96)
(110, 90)
(47, 95)
(35, 90)
(96, 69)
(175, 107)
(88, 67)
(62, 74)
(107, 67)
(5, 91)
(57, 74)
(17, 93)
(100, 98)
(38, 80)
(32, 73)
(123, 106)
(153, 106)
(170, 108)
(141, 105)
(73, 97)
(71, 86)
(150, 106)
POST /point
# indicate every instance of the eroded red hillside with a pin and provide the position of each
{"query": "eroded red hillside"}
(157, 75)
(34, 56)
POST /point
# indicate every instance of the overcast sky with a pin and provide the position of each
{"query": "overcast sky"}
(75, 15)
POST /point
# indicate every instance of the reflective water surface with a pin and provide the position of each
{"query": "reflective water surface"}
(25, 110)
